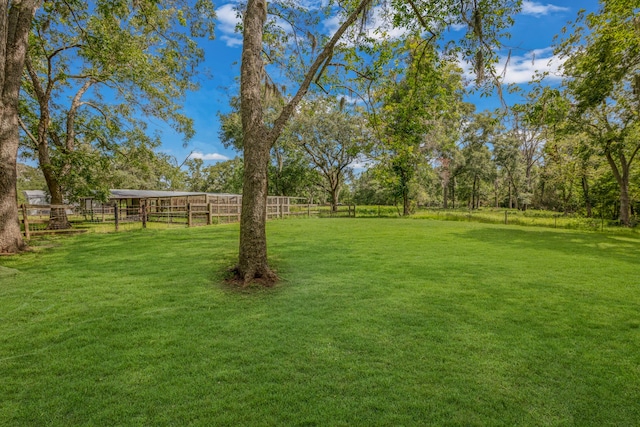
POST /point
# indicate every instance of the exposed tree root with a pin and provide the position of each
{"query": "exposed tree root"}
(265, 278)
(15, 249)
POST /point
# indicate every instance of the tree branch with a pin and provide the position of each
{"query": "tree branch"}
(26, 130)
(71, 115)
(321, 59)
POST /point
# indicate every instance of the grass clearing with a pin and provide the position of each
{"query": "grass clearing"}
(376, 322)
(528, 218)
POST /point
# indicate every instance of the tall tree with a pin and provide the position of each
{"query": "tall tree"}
(530, 141)
(508, 158)
(332, 139)
(478, 167)
(603, 84)
(15, 22)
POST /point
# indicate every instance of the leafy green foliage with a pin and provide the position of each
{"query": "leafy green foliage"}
(96, 73)
(225, 177)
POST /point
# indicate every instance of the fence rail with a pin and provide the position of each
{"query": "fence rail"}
(35, 218)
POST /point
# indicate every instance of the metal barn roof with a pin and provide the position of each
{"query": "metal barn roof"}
(148, 194)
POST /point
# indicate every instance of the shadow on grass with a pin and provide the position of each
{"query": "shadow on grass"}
(606, 246)
(169, 254)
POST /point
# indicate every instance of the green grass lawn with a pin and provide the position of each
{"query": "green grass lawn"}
(375, 322)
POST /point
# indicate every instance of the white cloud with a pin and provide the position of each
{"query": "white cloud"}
(232, 41)
(228, 20)
(361, 164)
(539, 9)
(209, 156)
(522, 69)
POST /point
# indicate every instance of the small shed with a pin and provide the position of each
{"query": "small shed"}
(36, 197)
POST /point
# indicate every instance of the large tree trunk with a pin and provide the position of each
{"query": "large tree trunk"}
(10, 237)
(335, 198)
(474, 204)
(333, 189)
(15, 23)
(625, 203)
(252, 263)
(587, 197)
(58, 216)
(622, 177)
(253, 238)
(406, 204)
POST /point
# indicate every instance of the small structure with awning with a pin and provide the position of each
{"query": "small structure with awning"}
(168, 206)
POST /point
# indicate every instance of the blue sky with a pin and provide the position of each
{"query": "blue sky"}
(530, 46)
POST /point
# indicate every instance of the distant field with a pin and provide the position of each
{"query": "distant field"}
(531, 217)
(375, 322)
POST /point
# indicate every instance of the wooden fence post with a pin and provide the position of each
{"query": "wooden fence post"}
(189, 215)
(116, 215)
(143, 208)
(209, 214)
(25, 221)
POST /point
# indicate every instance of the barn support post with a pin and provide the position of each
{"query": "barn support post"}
(189, 218)
(143, 212)
(25, 221)
(209, 213)
(116, 215)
